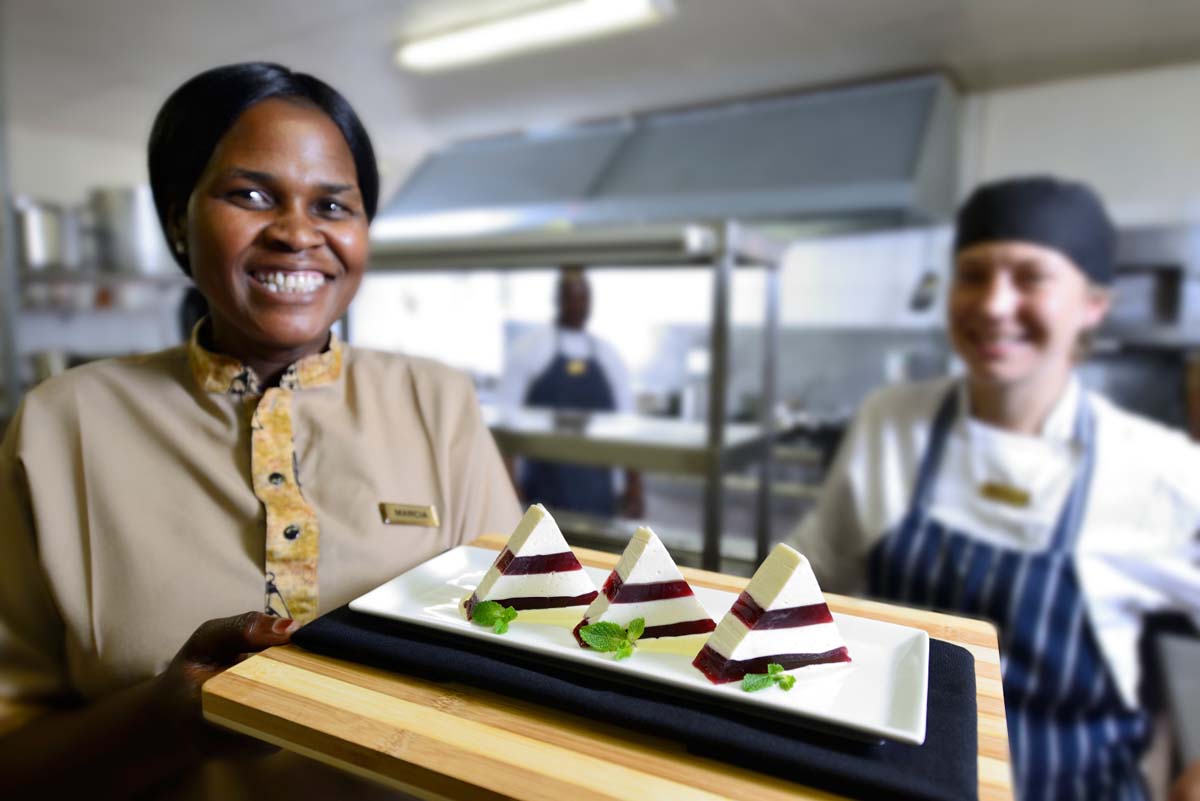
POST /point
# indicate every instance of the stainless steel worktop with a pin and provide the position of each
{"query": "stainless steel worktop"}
(624, 440)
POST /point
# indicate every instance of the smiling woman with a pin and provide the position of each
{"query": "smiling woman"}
(1016, 315)
(1017, 495)
(279, 248)
(236, 480)
(265, 195)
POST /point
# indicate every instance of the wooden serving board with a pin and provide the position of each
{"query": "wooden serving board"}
(440, 741)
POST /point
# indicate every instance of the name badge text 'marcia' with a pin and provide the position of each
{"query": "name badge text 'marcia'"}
(405, 514)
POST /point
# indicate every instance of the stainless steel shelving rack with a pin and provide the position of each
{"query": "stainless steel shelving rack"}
(13, 281)
(11, 389)
(708, 450)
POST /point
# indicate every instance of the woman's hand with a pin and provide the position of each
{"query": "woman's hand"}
(1187, 786)
(213, 647)
(124, 743)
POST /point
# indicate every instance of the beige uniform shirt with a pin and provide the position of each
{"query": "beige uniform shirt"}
(129, 516)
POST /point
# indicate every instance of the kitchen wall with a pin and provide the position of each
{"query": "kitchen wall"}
(1132, 135)
(63, 168)
(866, 280)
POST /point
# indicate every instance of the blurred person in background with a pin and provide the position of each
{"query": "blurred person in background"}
(571, 370)
(229, 488)
(1014, 494)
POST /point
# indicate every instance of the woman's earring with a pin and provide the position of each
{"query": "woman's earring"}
(179, 247)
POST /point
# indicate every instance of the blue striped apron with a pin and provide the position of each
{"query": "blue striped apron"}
(1071, 735)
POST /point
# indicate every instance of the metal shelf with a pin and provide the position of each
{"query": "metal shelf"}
(795, 490)
(709, 450)
(10, 379)
(626, 440)
(684, 245)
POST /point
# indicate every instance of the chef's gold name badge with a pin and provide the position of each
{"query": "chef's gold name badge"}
(1004, 493)
(407, 514)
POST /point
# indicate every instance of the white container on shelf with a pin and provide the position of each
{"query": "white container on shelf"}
(129, 238)
(39, 234)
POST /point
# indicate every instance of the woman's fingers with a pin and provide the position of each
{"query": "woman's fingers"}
(214, 646)
(221, 641)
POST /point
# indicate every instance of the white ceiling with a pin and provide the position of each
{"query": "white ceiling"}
(101, 67)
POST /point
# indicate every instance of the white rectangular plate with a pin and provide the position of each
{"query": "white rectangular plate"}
(881, 694)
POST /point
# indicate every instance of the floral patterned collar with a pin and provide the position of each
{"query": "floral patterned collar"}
(221, 374)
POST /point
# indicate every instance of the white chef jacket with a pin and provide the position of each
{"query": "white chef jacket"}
(1137, 550)
(532, 354)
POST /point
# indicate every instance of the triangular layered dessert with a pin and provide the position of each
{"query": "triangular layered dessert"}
(780, 617)
(647, 584)
(536, 570)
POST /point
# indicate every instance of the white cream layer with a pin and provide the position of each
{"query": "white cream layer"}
(656, 613)
(734, 641)
(537, 534)
(536, 585)
(784, 579)
(645, 560)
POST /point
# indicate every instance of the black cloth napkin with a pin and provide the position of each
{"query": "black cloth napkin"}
(944, 767)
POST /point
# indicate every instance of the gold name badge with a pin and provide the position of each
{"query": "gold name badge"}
(1003, 493)
(576, 367)
(404, 514)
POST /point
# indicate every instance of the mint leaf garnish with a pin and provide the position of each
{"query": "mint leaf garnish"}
(603, 636)
(490, 613)
(753, 682)
(486, 613)
(507, 616)
(609, 637)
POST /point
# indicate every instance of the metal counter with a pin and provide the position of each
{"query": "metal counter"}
(625, 440)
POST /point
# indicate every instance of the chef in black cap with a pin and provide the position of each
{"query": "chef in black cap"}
(1014, 494)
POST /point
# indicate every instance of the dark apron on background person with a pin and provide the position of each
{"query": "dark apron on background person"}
(1071, 735)
(570, 384)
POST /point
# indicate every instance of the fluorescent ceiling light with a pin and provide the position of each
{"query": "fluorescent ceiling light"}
(543, 27)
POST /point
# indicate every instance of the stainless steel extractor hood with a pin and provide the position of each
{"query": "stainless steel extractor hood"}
(883, 153)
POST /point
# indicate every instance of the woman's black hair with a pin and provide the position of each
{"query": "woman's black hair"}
(200, 112)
